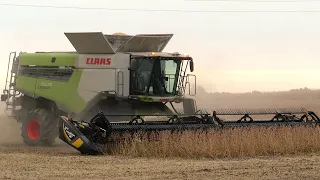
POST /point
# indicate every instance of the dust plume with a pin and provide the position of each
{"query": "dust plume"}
(9, 129)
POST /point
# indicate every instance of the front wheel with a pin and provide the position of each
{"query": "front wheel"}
(39, 127)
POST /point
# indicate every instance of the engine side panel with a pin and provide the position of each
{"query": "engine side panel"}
(63, 93)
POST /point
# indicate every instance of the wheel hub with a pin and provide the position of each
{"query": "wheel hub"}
(33, 129)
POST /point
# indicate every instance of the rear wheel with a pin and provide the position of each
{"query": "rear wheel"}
(39, 127)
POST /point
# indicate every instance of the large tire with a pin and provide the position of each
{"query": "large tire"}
(39, 128)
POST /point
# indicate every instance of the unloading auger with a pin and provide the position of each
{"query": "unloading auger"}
(87, 137)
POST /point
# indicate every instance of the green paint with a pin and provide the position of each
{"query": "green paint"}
(64, 93)
(44, 59)
(26, 83)
(145, 98)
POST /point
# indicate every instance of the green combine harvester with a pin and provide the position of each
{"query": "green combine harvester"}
(112, 83)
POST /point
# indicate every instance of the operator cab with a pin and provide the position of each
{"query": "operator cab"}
(157, 75)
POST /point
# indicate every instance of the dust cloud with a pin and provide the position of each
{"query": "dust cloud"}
(9, 128)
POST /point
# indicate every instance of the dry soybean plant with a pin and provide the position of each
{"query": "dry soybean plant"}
(225, 143)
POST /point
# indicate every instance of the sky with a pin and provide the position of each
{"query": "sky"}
(232, 51)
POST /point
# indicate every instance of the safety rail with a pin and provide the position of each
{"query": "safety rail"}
(120, 83)
(188, 83)
(182, 75)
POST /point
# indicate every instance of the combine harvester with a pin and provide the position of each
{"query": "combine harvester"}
(111, 84)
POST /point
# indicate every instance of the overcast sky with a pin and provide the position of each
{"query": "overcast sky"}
(233, 51)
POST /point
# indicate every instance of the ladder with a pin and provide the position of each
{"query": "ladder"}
(182, 75)
(9, 91)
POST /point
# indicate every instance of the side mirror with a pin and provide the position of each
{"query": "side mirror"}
(191, 66)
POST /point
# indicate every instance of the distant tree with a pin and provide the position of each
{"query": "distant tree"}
(256, 92)
(201, 90)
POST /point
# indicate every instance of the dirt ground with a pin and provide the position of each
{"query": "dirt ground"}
(62, 162)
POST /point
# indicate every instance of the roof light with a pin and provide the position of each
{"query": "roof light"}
(153, 54)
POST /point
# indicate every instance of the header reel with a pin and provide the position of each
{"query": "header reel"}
(87, 137)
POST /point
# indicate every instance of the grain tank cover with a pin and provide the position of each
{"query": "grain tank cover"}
(117, 39)
(90, 43)
(146, 43)
(99, 43)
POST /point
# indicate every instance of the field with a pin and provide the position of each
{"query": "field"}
(62, 162)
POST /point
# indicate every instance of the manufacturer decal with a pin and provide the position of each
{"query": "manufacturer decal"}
(69, 135)
(44, 85)
(98, 61)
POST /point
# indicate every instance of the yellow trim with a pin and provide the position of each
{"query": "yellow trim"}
(77, 143)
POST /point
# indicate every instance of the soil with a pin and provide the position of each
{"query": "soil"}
(18, 161)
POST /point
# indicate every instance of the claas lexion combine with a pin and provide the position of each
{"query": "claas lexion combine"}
(113, 83)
